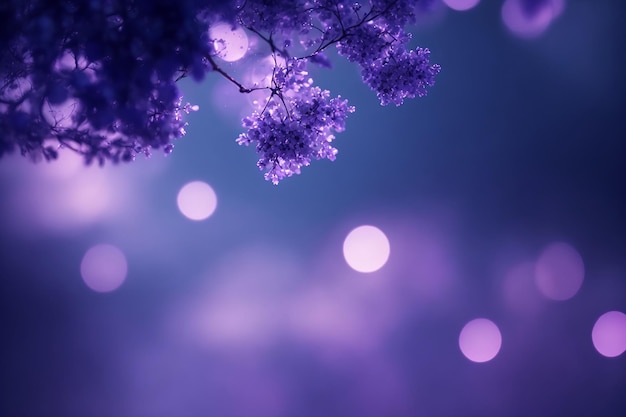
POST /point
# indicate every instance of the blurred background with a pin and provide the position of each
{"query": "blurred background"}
(465, 255)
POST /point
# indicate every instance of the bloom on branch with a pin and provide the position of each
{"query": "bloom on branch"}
(100, 77)
(295, 125)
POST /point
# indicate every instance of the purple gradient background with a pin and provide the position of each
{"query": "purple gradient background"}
(254, 312)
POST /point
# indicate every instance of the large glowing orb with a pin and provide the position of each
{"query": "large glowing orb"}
(366, 249)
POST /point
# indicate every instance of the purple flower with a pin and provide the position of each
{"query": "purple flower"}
(96, 77)
(296, 124)
(99, 77)
(401, 75)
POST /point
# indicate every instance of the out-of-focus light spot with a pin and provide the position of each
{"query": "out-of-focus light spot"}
(424, 266)
(480, 340)
(333, 319)
(519, 290)
(243, 306)
(559, 271)
(230, 43)
(261, 75)
(67, 165)
(609, 334)
(60, 115)
(236, 321)
(229, 102)
(103, 268)
(89, 198)
(366, 249)
(461, 5)
(16, 90)
(197, 200)
(69, 196)
(529, 22)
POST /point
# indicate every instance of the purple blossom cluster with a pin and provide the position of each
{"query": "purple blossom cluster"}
(295, 125)
(97, 77)
(100, 76)
(397, 77)
(379, 47)
(274, 16)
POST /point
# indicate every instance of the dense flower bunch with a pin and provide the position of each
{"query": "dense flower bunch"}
(406, 75)
(295, 124)
(99, 76)
(380, 49)
(95, 76)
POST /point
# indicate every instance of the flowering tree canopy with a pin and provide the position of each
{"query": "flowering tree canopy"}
(99, 77)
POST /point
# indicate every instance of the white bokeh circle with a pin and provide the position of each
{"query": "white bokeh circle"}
(230, 42)
(197, 200)
(366, 249)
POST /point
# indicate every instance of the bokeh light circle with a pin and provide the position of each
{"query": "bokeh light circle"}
(461, 5)
(559, 271)
(527, 21)
(103, 268)
(197, 200)
(366, 249)
(480, 340)
(230, 43)
(609, 334)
